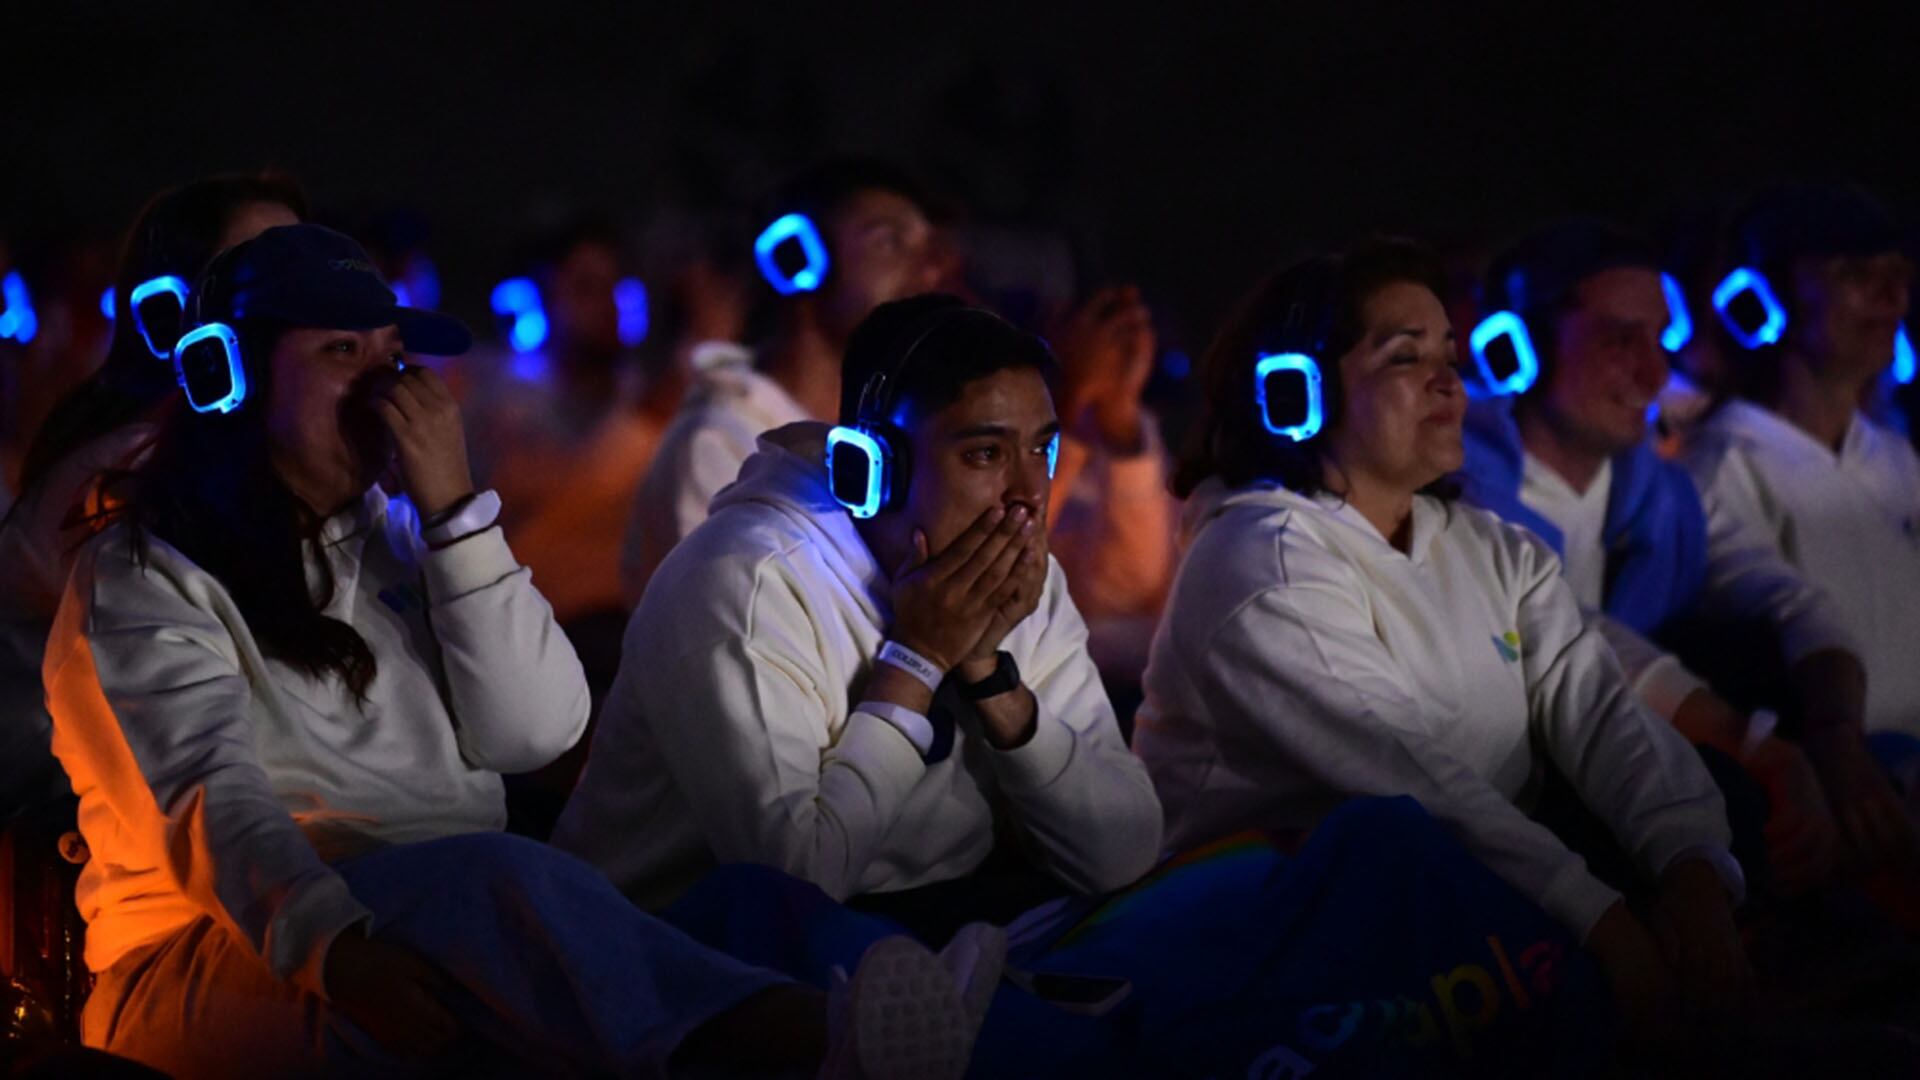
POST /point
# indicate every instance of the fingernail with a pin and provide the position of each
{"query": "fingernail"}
(1019, 513)
(997, 513)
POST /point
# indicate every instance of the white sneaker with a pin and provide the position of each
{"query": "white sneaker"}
(909, 1015)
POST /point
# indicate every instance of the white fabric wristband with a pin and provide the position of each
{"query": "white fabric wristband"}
(892, 652)
(480, 512)
(917, 728)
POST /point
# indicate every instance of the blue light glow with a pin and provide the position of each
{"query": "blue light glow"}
(868, 447)
(236, 373)
(1746, 279)
(401, 296)
(1308, 425)
(106, 303)
(147, 290)
(17, 320)
(1679, 329)
(1053, 455)
(630, 296)
(518, 299)
(1904, 363)
(1526, 362)
(796, 227)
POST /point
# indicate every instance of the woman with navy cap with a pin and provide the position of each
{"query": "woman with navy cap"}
(285, 700)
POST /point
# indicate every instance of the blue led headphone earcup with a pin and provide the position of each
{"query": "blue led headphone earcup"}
(160, 313)
(795, 229)
(1749, 308)
(1295, 417)
(1509, 328)
(859, 472)
(208, 366)
(517, 300)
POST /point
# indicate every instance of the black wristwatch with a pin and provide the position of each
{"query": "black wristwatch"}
(1005, 677)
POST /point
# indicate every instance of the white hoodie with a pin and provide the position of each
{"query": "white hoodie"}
(731, 734)
(1304, 661)
(1850, 522)
(216, 782)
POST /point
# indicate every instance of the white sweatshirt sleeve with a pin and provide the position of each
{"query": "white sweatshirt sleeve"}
(1075, 787)
(153, 712)
(746, 741)
(1631, 769)
(691, 466)
(519, 695)
(1658, 678)
(1299, 670)
(1748, 578)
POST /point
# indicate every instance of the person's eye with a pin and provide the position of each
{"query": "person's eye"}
(982, 455)
(344, 346)
(1403, 359)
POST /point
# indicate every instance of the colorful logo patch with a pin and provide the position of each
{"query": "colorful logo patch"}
(1509, 646)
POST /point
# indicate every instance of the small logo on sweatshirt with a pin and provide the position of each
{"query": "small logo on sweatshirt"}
(1509, 646)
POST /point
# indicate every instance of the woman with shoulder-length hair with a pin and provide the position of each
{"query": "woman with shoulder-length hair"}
(1341, 628)
(285, 702)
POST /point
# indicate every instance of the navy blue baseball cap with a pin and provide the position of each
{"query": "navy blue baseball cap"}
(312, 276)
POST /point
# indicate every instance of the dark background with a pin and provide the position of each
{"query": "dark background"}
(1184, 146)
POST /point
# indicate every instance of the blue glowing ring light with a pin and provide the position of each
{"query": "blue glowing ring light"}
(1904, 361)
(1526, 362)
(868, 447)
(1746, 279)
(17, 320)
(1679, 329)
(1309, 425)
(799, 228)
(147, 290)
(518, 299)
(236, 374)
(106, 304)
(1053, 455)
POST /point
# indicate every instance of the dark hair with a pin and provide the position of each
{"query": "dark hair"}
(1315, 306)
(824, 190)
(177, 232)
(946, 345)
(1540, 277)
(538, 254)
(210, 490)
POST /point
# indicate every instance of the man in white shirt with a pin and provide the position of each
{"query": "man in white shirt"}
(873, 699)
(1795, 462)
(869, 222)
(1572, 460)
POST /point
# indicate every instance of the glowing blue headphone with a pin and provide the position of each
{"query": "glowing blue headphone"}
(206, 359)
(1502, 344)
(1749, 308)
(799, 230)
(1288, 387)
(517, 301)
(867, 463)
(159, 308)
(17, 319)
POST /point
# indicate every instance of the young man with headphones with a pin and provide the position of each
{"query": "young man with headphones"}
(1814, 310)
(1569, 456)
(849, 234)
(864, 668)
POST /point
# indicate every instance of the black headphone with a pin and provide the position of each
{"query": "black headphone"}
(868, 463)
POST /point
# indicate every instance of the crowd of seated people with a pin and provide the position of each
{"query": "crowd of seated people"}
(733, 669)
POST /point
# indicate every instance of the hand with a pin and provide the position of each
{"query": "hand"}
(1106, 353)
(428, 439)
(1694, 926)
(1023, 589)
(392, 993)
(944, 604)
(1642, 986)
(1879, 834)
(1803, 841)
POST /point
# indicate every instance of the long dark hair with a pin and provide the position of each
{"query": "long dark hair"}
(209, 489)
(177, 232)
(1317, 305)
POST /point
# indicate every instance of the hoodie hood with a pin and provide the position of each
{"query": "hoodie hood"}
(788, 474)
